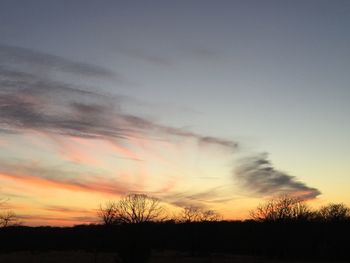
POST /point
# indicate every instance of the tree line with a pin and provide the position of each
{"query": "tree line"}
(137, 224)
(138, 208)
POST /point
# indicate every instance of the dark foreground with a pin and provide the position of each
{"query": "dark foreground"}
(156, 257)
(186, 242)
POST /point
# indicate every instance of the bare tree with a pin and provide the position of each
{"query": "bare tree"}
(137, 208)
(334, 212)
(210, 216)
(133, 208)
(283, 208)
(197, 214)
(108, 213)
(7, 217)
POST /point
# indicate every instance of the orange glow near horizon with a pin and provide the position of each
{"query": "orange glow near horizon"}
(75, 175)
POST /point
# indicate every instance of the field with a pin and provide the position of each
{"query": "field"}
(90, 257)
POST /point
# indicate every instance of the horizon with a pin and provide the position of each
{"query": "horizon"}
(219, 105)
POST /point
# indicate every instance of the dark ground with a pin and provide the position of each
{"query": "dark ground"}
(192, 242)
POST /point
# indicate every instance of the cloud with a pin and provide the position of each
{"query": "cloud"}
(146, 56)
(30, 101)
(258, 175)
(25, 110)
(66, 210)
(16, 55)
(39, 219)
(203, 199)
(56, 177)
(218, 141)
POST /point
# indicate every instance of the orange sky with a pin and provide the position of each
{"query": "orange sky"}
(66, 186)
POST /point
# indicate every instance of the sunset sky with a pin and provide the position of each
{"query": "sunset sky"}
(217, 104)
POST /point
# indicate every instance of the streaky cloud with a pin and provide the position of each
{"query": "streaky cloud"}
(146, 57)
(55, 177)
(55, 219)
(202, 199)
(66, 209)
(31, 101)
(256, 173)
(18, 55)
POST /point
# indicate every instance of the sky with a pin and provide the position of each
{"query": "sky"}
(215, 104)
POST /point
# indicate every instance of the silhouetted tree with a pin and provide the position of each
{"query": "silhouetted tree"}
(133, 208)
(108, 213)
(334, 212)
(197, 214)
(7, 217)
(281, 209)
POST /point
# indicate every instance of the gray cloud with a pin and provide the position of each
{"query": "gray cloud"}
(22, 111)
(146, 56)
(218, 141)
(203, 199)
(17, 55)
(258, 175)
(29, 101)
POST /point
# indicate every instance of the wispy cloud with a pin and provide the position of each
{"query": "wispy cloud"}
(258, 175)
(66, 209)
(146, 57)
(56, 177)
(214, 195)
(28, 101)
(32, 102)
(54, 220)
(17, 56)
